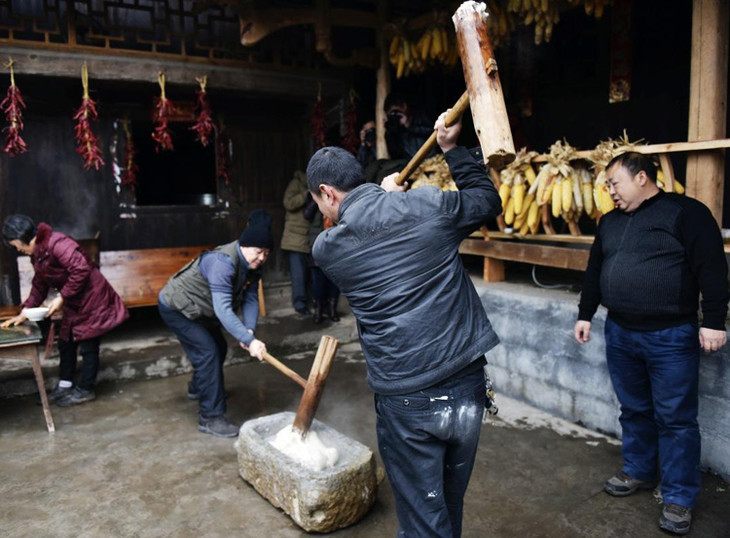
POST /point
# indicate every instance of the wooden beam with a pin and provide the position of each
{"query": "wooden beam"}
(30, 61)
(259, 23)
(565, 258)
(707, 100)
(382, 87)
(562, 238)
(652, 149)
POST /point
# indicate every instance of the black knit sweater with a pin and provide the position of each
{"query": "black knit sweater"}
(649, 266)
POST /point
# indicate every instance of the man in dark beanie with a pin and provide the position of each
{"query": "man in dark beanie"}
(207, 293)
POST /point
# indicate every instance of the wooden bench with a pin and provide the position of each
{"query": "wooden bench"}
(136, 275)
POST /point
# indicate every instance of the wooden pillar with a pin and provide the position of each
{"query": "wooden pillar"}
(382, 88)
(707, 101)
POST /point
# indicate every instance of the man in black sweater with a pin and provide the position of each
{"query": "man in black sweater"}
(649, 263)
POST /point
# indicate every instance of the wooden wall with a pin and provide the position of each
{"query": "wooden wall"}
(269, 141)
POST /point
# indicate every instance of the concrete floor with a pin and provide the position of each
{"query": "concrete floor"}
(132, 463)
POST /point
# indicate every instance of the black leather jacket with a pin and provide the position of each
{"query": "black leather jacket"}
(395, 257)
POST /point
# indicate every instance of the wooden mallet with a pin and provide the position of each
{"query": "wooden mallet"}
(313, 386)
(484, 93)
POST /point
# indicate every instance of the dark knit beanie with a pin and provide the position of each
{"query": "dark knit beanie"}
(258, 232)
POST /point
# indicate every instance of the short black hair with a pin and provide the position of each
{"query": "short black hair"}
(634, 163)
(19, 227)
(335, 167)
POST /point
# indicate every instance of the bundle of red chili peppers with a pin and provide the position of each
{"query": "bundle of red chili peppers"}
(12, 106)
(163, 110)
(204, 126)
(318, 126)
(129, 178)
(86, 140)
(351, 140)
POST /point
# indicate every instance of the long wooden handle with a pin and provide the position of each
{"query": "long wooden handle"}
(288, 372)
(452, 117)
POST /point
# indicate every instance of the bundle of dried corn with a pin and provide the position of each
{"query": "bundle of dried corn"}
(433, 172)
(519, 206)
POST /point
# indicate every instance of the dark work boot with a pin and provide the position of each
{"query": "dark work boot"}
(58, 393)
(217, 426)
(77, 396)
(317, 318)
(332, 310)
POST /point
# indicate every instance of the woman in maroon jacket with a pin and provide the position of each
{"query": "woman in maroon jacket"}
(89, 304)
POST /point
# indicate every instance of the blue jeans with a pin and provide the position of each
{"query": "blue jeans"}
(206, 348)
(655, 375)
(299, 269)
(428, 442)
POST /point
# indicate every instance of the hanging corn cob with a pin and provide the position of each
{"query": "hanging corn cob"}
(542, 13)
(501, 23)
(163, 110)
(12, 106)
(592, 7)
(437, 44)
(662, 183)
(515, 180)
(86, 140)
(601, 156)
(204, 126)
(129, 178)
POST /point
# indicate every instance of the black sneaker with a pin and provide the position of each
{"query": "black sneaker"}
(58, 393)
(76, 396)
(304, 311)
(622, 485)
(217, 426)
(675, 518)
(192, 393)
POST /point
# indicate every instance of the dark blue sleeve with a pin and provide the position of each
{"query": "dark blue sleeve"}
(219, 270)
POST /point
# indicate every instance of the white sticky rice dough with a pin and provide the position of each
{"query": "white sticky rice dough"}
(310, 451)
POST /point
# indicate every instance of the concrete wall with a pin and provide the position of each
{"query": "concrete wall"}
(540, 362)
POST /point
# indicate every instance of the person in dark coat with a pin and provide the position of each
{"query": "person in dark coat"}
(89, 304)
(422, 326)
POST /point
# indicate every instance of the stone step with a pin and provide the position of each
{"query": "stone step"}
(145, 348)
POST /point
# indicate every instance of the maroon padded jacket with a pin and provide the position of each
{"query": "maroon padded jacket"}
(91, 307)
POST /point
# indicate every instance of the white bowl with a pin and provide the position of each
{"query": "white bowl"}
(35, 314)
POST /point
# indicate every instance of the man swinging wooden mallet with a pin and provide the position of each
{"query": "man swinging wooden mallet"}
(423, 329)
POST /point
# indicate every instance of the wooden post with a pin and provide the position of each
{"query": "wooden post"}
(262, 299)
(482, 82)
(315, 385)
(707, 101)
(382, 83)
(668, 169)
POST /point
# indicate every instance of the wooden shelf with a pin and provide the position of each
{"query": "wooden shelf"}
(651, 149)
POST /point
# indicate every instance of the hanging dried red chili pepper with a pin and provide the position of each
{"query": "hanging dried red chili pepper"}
(319, 130)
(12, 106)
(163, 110)
(86, 140)
(204, 125)
(351, 140)
(129, 178)
(222, 155)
